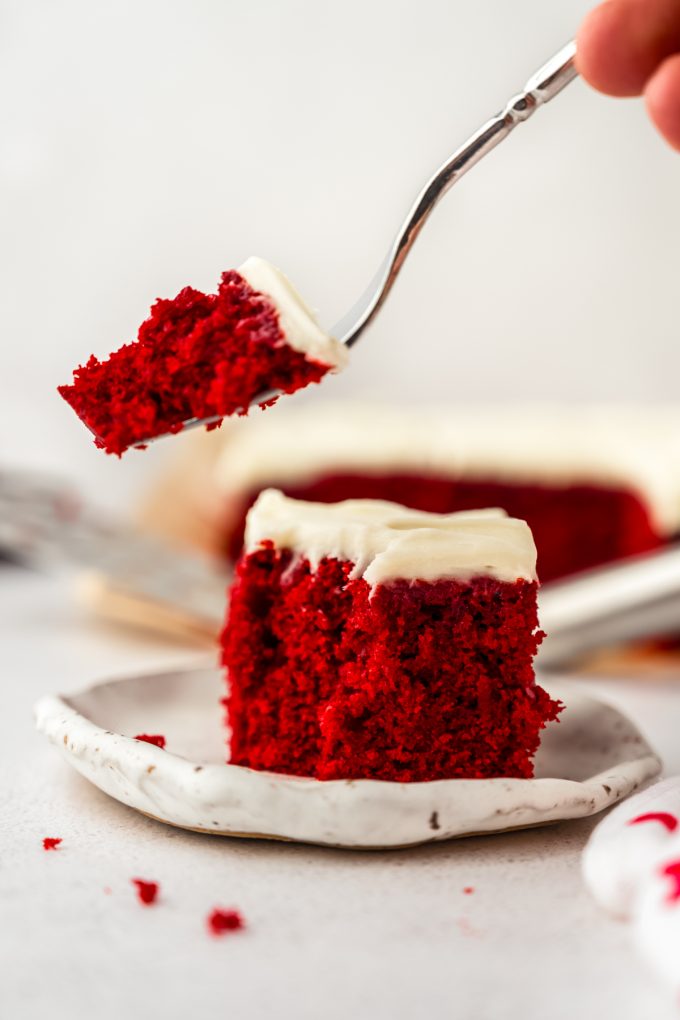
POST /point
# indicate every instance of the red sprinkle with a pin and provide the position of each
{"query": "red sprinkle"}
(672, 871)
(51, 843)
(468, 889)
(146, 891)
(668, 821)
(221, 921)
(152, 738)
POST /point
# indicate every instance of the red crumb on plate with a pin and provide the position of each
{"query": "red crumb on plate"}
(147, 892)
(157, 739)
(221, 921)
(51, 842)
(468, 889)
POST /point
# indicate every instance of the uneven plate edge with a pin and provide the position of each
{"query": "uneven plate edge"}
(54, 716)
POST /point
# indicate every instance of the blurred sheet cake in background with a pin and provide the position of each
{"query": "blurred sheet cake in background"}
(595, 484)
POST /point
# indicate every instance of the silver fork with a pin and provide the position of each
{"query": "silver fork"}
(541, 87)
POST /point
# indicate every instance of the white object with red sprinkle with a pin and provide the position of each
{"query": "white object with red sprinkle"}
(656, 924)
(623, 849)
(631, 865)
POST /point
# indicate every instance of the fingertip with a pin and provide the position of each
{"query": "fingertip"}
(662, 96)
(603, 52)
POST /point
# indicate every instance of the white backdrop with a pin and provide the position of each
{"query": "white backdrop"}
(146, 144)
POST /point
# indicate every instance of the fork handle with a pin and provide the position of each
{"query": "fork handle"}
(543, 86)
(552, 77)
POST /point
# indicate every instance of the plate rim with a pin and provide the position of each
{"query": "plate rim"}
(87, 746)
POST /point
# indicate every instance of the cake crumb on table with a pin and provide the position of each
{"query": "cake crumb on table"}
(51, 842)
(469, 889)
(466, 928)
(147, 892)
(157, 739)
(221, 921)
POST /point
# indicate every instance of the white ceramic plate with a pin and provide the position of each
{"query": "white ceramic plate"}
(593, 757)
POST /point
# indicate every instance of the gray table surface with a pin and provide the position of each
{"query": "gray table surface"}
(330, 933)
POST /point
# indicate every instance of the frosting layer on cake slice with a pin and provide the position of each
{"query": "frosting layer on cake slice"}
(297, 321)
(385, 541)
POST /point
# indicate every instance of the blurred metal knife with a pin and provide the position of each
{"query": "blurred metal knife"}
(626, 601)
(43, 524)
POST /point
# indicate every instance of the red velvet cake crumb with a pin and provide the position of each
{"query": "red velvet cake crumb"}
(410, 681)
(157, 739)
(147, 892)
(196, 356)
(222, 921)
(468, 890)
(51, 842)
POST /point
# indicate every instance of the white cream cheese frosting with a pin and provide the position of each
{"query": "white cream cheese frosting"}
(386, 541)
(637, 449)
(296, 319)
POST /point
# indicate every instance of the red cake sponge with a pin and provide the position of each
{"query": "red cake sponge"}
(197, 356)
(407, 680)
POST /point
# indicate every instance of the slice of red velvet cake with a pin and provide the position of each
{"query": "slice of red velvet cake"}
(204, 356)
(365, 640)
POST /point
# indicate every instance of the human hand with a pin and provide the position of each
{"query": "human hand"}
(632, 48)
